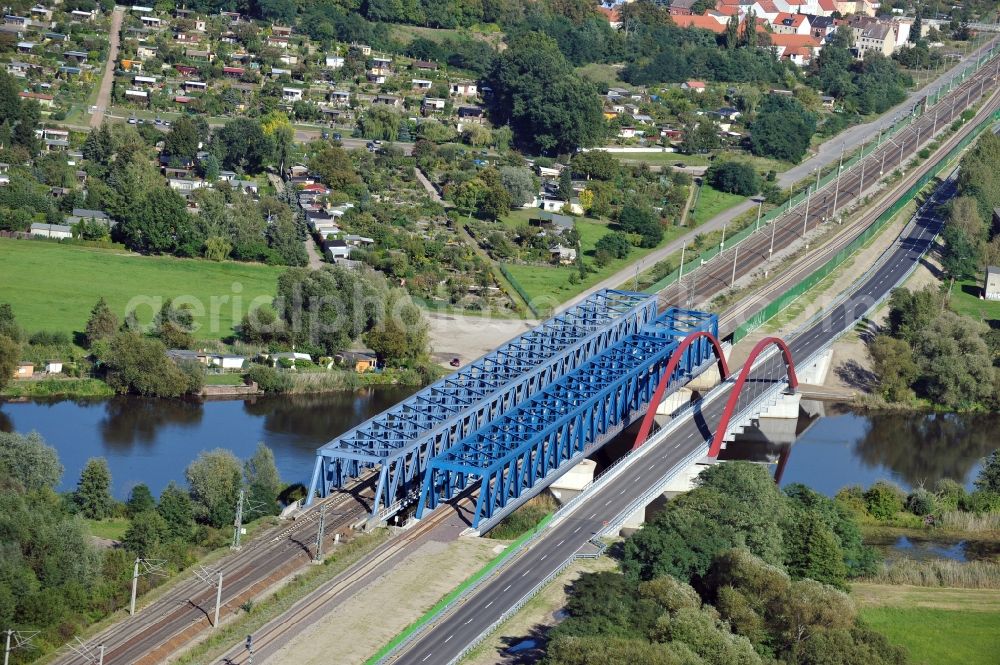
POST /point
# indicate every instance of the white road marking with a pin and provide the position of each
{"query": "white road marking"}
(559, 544)
(469, 621)
(488, 604)
(607, 502)
(593, 516)
(525, 573)
(448, 639)
(576, 529)
(425, 657)
(506, 588)
(543, 557)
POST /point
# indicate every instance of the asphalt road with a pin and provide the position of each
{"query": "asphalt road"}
(448, 638)
(108, 77)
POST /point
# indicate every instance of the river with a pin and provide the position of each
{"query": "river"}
(153, 440)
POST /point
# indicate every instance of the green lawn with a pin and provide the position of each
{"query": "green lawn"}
(712, 202)
(661, 158)
(112, 528)
(53, 286)
(935, 636)
(938, 626)
(600, 73)
(965, 300)
(549, 285)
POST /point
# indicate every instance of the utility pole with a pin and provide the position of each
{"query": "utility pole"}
(732, 282)
(861, 183)
(836, 188)
(150, 567)
(680, 275)
(243, 505)
(722, 245)
(208, 577)
(320, 532)
(760, 206)
(774, 227)
(805, 217)
(934, 129)
(17, 639)
(238, 522)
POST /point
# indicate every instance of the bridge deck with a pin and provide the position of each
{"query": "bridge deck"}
(402, 438)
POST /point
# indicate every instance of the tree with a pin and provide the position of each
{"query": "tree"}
(329, 308)
(989, 475)
(8, 324)
(102, 323)
(495, 201)
(29, 460)
(917, 28)
(403, 333)
(910, 312)
(242, 145)
(956, 369)
(159, 223)
(10, 355)
(814, 552)
(215, 479)
(263, 482)
(520, 185)
(783, 129)
(334, 167)
(598, 164)
(177, 513)
(380, 122)
(134, 364)
(140, 499)
(615, 245)
(182, 140)
(144, 532)
(93, 492)
(883, 500)
(566, 184)
(174, 325)
(893, 364)
(641, 220)
(549, 108)
(734, 177)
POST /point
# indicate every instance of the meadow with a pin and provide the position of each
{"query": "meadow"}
(53, 286)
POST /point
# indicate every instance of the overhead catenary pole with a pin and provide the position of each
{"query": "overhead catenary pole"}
(836, 188)
(150, 567)
(218, 602)
(732, 283)
(320, 532)
(680, 275)
(238, 522)
(760, 206)
(805, 217)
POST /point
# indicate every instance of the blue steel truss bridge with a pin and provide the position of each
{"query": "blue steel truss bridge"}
(518, 417)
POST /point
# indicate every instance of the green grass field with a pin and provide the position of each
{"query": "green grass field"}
(53, 286)
(938, 626)
(661, 158)
(601, 73)
(712, 202)
(550, 284)
(112, 528)
(965, 300)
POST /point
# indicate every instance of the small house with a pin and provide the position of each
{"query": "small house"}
(24, 370)
(694, 86)
(563, 255)
(57, 231)
(991, 288)
(464, 89)
(338, 249)
(291, 94)
(360, 362)
(53, 367)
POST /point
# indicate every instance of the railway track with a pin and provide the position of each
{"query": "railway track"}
(184, 611)
(756, 251)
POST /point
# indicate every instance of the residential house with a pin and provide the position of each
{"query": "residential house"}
(433, 104)
(873, 35)
(291, 94)
(613, 17)
(76, 56)
(144, 52)
(563, 255)
(85, 214)
(339, 97)
(696, 86)
(338, 249)
(799, 49)
(334, 61)
(421, 84)
(360, 362)
(388, 100)
(553, 204)
(41, 98)
(53, 367)
(791, 24)
(58, 231)
(474, 114)
(425, 65)
(24, 370)
(464, 89)
(681, 7)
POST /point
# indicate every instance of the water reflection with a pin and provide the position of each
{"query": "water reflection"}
(131, 420)
(851, 447)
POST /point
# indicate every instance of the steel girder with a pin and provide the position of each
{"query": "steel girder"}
(579, 411)
(401, 439)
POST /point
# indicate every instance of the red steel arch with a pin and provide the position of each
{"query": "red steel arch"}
(661, 387)
(727, 413)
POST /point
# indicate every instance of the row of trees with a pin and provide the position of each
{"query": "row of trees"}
(929, 352)
(55, 580)
(735, 571)
(326, 311)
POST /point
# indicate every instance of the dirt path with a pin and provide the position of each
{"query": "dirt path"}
(429, 186)
(104, 92)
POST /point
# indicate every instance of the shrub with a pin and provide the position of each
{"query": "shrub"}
(921, 502)
(950, 494)
(981, 501)
(304, 364)
(883, 500)
(734, 177)
(268, 379)
(286, 363)
(852, 498)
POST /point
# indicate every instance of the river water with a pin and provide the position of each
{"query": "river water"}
(153, 440)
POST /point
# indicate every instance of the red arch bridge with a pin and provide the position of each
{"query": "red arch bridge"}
(510, 423)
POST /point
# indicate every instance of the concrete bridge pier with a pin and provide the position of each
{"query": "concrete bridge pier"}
(683, 481)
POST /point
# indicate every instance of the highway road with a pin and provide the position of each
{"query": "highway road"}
(448, 638)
